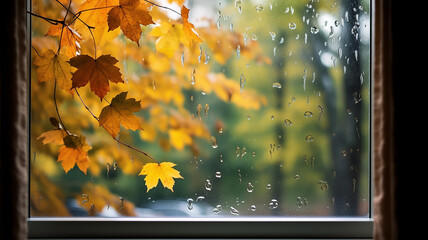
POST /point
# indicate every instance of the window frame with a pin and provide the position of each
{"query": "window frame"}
(222, 227)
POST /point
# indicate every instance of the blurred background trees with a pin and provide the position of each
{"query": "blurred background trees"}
(269, 115)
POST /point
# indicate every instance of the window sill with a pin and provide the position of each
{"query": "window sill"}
(288, 228)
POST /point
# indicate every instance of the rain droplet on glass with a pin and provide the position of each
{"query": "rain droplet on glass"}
(309, 138)
(250, 187)
(217, 209)
(287, 122)
(308, 114)
(259, 8)
(218, 174)
(314, 30)
(190, 203)
(273, 204)
(276, 85)
(242, 81)
(234, 211)
(292, 25)
(208, 185)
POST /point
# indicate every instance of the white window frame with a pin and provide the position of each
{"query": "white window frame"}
(222, 227)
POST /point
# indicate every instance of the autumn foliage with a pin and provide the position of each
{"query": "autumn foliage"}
(78, 63)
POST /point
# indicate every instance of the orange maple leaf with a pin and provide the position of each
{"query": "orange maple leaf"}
(55, 136)
(74, 151)
(69, 38)
(129, 17)
(51, 66)
(98, 72)
(189, 28)
(120, 112)
(160, 171)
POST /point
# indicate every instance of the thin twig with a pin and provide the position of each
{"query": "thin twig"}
(38, 54)
(56, 108)
(49, 20)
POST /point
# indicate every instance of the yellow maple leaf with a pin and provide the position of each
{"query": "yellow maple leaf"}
(74, 151)
(170, 35)
(51, 66)
(120, 112)
(160, 171)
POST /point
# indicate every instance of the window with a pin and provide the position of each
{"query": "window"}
(219, 118)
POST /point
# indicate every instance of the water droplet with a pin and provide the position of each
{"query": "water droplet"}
(273, 204)
(354, 182)
(292, 26)
(218, 174)
(323, 185)
(349, 110)
(208, 185)
(217, 209)
(357, 97)
(250, 187)
(331, 34)
(276, 85)
(253, 208)
(207, 57)
(287, 122)
(192, 78)
(297, 177)
(238, 5)
(268, 186)
(190, 203)
(238, 51)
(272, 35)
(314, 30)
(214, 142)
(336, 23)
(259, 8)
(85, 198)
(234, 211)
(308, 114)
(242, 81)
(309, 138)
(198, 110)
(200, 199)
(344, 153)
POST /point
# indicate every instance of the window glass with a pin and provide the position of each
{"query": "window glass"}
(174, 108)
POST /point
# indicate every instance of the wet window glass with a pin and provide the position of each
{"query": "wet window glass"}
(185, 108)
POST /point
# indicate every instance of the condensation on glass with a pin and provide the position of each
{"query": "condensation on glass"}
(268, 116)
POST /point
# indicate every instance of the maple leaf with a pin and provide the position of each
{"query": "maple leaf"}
(98, 72)
(120, 112)
(69, 38)
(74, 151)
(55, 136)
(129, 17)
(51, 66)
(96, 18)
(160, 171)
(170, 37)
(189, 28)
